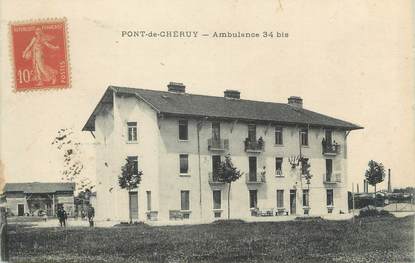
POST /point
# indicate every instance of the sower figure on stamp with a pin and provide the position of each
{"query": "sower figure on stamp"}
(36, 51)
(91, 214)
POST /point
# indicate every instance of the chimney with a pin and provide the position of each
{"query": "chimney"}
(389, 181)
(232, 94)
(295, 101)
(176, 87)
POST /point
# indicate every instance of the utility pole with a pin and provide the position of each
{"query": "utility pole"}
(353, 202)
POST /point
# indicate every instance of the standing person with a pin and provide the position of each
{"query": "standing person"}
(62, 216)
(65, 217)
(91, 214)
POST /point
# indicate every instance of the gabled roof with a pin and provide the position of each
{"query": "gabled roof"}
(192, 105)
(37, 188)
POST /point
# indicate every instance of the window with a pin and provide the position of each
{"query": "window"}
(304, 165)
(184, 163)
(329, 170)
(278, 135)
(215, 166)
(328, 136)
(148, 200)
(217, 201)
(185, 202)
(278, 166)
(183, 131)
(280, 198)
(330, 201)
(252, 132)
(252, 169)
(253, 198)
(134, 161)
(304, 137)
(306, 197)
(216, 131)
(132, 131)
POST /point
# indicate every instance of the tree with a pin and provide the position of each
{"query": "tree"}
(304, 170)
(130, 177)
(227, 173)
(375, 173)
(66, 142)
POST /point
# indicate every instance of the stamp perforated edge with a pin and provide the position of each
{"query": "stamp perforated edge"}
(67, 54)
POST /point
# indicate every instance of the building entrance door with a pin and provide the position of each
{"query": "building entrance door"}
(293, 203)
(20, 209)
(133, 201)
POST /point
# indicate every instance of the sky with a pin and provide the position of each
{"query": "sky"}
(347, 59)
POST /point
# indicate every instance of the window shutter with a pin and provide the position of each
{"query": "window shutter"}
(338, 177)
(337, 165)
(226, 144)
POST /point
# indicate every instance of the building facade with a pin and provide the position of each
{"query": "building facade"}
(178, 140)
(24, 199)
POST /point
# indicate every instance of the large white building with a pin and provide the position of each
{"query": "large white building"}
(177, 139)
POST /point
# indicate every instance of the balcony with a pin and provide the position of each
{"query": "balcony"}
(331, 149)
(331, 178)
(218, 144)
(254, 146)
(255, 178)
(214, 180)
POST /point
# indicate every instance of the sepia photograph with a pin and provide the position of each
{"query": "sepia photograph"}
(220, 131)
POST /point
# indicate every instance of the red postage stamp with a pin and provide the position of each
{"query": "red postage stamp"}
(40, 54)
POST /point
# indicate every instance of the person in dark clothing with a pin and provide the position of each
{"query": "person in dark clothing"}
(91, 214)
(62, 216)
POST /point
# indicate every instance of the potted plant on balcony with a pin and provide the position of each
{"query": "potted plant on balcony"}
(247, 141)
(263, 173)
(261, 143)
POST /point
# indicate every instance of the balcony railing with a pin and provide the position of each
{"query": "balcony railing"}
(331, 149)
(254, 146)
(218, 144)
(331, 178)
(255, 178)
(214, 179)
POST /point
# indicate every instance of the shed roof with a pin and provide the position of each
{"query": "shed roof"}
(37, 188)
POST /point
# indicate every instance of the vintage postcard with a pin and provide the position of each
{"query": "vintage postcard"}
(219, 131)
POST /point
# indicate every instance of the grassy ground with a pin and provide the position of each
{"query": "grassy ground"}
(371, 240)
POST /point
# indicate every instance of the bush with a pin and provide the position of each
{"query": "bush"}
(368, 212)
(228, 221)
(126, 224)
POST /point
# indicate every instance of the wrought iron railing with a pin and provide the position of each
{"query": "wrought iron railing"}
(255, 178)
(332, 178)
(214, 178)
(218, 144)
(257, 146)
(329, 148)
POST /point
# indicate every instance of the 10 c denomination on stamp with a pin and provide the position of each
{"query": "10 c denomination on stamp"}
(40, 54)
